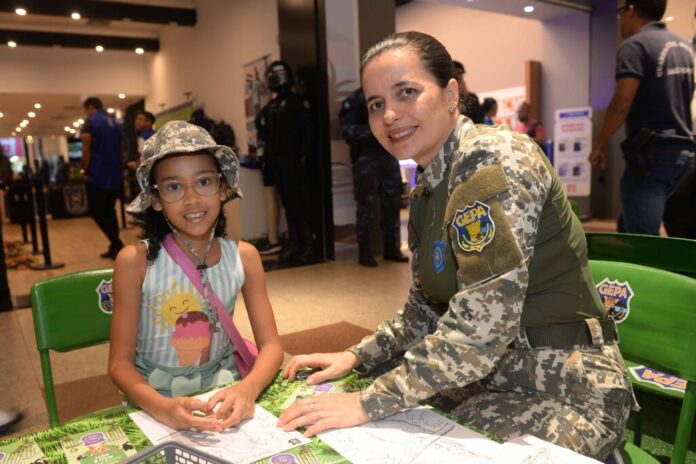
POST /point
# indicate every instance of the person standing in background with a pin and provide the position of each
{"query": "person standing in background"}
(469, 104)
(102, 139)
(654, 87)
(490, 109)
(376, 177)
(528, 125)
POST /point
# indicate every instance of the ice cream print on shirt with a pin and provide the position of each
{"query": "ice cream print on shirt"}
(181, 313)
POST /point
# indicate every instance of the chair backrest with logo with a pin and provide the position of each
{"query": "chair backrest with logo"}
(70, 312)
(655, 312)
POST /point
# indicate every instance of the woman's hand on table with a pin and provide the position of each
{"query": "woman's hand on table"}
(332, 365)
(323, 412)
(178, 413)
(236, 403)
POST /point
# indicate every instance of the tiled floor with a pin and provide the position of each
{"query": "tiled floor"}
(303, 298)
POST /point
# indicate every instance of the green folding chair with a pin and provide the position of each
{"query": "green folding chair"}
(72, 311)
(676, 255)
(657, 330)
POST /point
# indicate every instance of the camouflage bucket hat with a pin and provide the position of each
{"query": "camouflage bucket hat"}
(182, 137)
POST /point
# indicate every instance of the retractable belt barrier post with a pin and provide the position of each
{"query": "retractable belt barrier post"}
(41, 209)
(5, 298)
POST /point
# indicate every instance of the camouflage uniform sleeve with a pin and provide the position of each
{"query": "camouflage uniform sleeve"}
(392, 338)
(483, 317)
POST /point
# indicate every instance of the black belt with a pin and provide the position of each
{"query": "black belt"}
(566, 335)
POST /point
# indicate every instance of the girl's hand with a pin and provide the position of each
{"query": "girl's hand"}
(178, 413)
(322, 412)
(236, 403)
(332, 365)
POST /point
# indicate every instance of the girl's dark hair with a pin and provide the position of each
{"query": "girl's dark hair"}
(155, 226)
(488, 104)
(434, 56)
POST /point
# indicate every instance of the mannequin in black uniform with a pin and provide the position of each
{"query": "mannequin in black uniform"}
(284, 126)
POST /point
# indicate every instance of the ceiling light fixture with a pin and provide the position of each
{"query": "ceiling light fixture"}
(18, 129)
(76, 124)
(2, 115)
(81, 121)
(66, 128)
(99, 48)
(31, 114)
(37, 106)
(110, 111)
(75, 15)
(528, 9)
(121, 96)
(139, 50)
(21, 11)
(25, 121)
(11, 43)
(669, 18)
(14, 134)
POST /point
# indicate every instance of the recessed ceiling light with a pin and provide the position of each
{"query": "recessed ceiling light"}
(25, 121)
(31, 114)
(110, 111)
(121, 96)
(37, 106)
(11, 43)
(99, 48)
(2, 115)
(18, 129)
(669, 18)
(14, 134)
(528, 9)
(67, 128)
(76, 124)
(75, 15)
(139, 50)
(21, 11)
(81, 121)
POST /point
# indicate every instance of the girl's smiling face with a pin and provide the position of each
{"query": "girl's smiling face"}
(194, 215)
(409, 111)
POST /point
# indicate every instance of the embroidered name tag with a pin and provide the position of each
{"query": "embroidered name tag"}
(474, 226)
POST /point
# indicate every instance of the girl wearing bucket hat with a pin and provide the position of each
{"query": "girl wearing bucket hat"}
(171, 332)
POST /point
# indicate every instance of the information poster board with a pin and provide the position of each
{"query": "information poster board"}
(571, 147)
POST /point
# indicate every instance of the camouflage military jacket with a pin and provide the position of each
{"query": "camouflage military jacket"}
(497, 184)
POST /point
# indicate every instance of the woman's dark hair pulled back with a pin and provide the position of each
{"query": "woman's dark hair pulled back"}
(434, 56)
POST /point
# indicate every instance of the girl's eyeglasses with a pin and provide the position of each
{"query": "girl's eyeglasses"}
(173, 191)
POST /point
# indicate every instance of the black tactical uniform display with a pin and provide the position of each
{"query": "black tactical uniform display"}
(284, 126)
(376, 177)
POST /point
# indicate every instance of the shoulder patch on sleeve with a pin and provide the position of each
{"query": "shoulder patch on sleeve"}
(482, 240)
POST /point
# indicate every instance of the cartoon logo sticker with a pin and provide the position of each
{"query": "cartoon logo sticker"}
(439, 256)
(616, 297)
(474, 226)
(106, 300)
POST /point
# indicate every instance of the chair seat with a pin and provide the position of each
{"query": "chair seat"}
(655, 382)
(631, 454)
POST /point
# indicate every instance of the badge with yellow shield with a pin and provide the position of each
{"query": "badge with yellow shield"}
(474, 226)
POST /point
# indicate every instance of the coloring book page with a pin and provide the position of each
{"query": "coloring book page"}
(417, 436)
(250, 441)
(532, 450)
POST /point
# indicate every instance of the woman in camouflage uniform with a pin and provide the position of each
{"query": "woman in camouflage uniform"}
(503, 326)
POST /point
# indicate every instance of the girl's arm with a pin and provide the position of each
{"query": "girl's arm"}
(238, 400)
(129, 273)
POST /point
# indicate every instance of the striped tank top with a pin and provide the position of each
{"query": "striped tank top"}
(173, 326)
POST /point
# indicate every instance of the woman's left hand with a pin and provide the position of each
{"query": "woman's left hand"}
(236, 404)
(323, 412)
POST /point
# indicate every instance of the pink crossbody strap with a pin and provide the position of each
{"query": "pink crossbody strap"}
(182, 259)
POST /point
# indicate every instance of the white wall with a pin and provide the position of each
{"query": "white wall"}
(493, 47)
(208, 58)
(45, 70)
(565, 65)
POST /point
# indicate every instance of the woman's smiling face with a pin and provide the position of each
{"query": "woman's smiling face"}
(409, 112)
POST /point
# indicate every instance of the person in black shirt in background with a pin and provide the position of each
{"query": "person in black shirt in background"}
(469, 104)
(654, 87)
